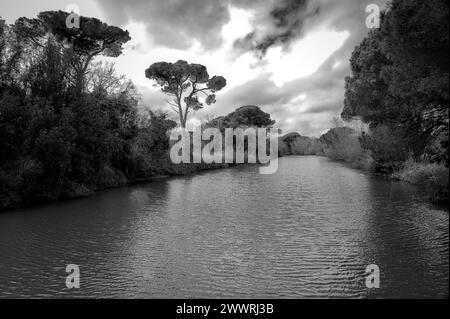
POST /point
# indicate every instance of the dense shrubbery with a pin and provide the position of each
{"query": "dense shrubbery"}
(344, 144)
(69, 126)
(400, 87)
(434, 178)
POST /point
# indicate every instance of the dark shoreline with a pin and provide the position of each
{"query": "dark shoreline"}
(203, 169)
(92, 192)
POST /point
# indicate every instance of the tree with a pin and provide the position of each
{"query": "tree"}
(248, 116)
(149, 154)
(11, 51)
(343, 144)
(102, 77)
(387, 147)
(81, 45)
(46, 76)
(416, 40)
(3, 29)
(295, 144)
(400, 74)
(175, 79)
(366, 90)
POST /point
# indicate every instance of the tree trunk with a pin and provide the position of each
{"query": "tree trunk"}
(180, 113)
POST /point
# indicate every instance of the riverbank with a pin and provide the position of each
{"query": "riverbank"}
(371, 152)
(431, 178)
(111, 179)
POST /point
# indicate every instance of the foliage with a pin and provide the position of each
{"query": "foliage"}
(295, 144)
(79, 46)
(57, 144)
(400, 77)
(248, 116)
(176, 78)
(344, 144)
(149, 151)
(387, 147)
(434, 178)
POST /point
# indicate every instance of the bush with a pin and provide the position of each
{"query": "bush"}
(343, 144)
(387, 147)
(434, 178)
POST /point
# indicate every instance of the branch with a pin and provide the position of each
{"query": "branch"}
(204, 89)
(170, 103)
(173, 106)
(36, 42)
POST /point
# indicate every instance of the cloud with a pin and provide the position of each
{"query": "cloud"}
(300, 97)
(280, 25)
(289, 20)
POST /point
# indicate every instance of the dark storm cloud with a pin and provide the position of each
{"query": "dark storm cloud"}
(284, 22)
(289, 20)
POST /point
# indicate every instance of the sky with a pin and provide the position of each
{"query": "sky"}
(289, 57)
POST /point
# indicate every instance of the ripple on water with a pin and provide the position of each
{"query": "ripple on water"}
(308, 231)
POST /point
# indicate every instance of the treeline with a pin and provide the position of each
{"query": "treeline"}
(399, 86)
(296, 144)
(70, 125)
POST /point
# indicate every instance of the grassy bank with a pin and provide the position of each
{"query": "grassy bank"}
(431, 177)
(366, 151)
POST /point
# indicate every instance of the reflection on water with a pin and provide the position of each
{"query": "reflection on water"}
(308, 231)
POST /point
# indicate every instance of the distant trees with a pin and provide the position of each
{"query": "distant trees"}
(184, 82)
(248, 116)
(295, 144)
(243, 117)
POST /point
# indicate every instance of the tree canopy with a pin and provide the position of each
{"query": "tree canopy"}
(248, 116)
(81, 45)
(400, 73)
(184, 82)
(54, 143)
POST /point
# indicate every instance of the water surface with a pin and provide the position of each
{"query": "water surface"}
(308, 231)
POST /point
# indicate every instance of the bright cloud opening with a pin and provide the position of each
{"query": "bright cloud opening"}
(306, 56)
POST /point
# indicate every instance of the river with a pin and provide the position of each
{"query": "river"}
(308, 231)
